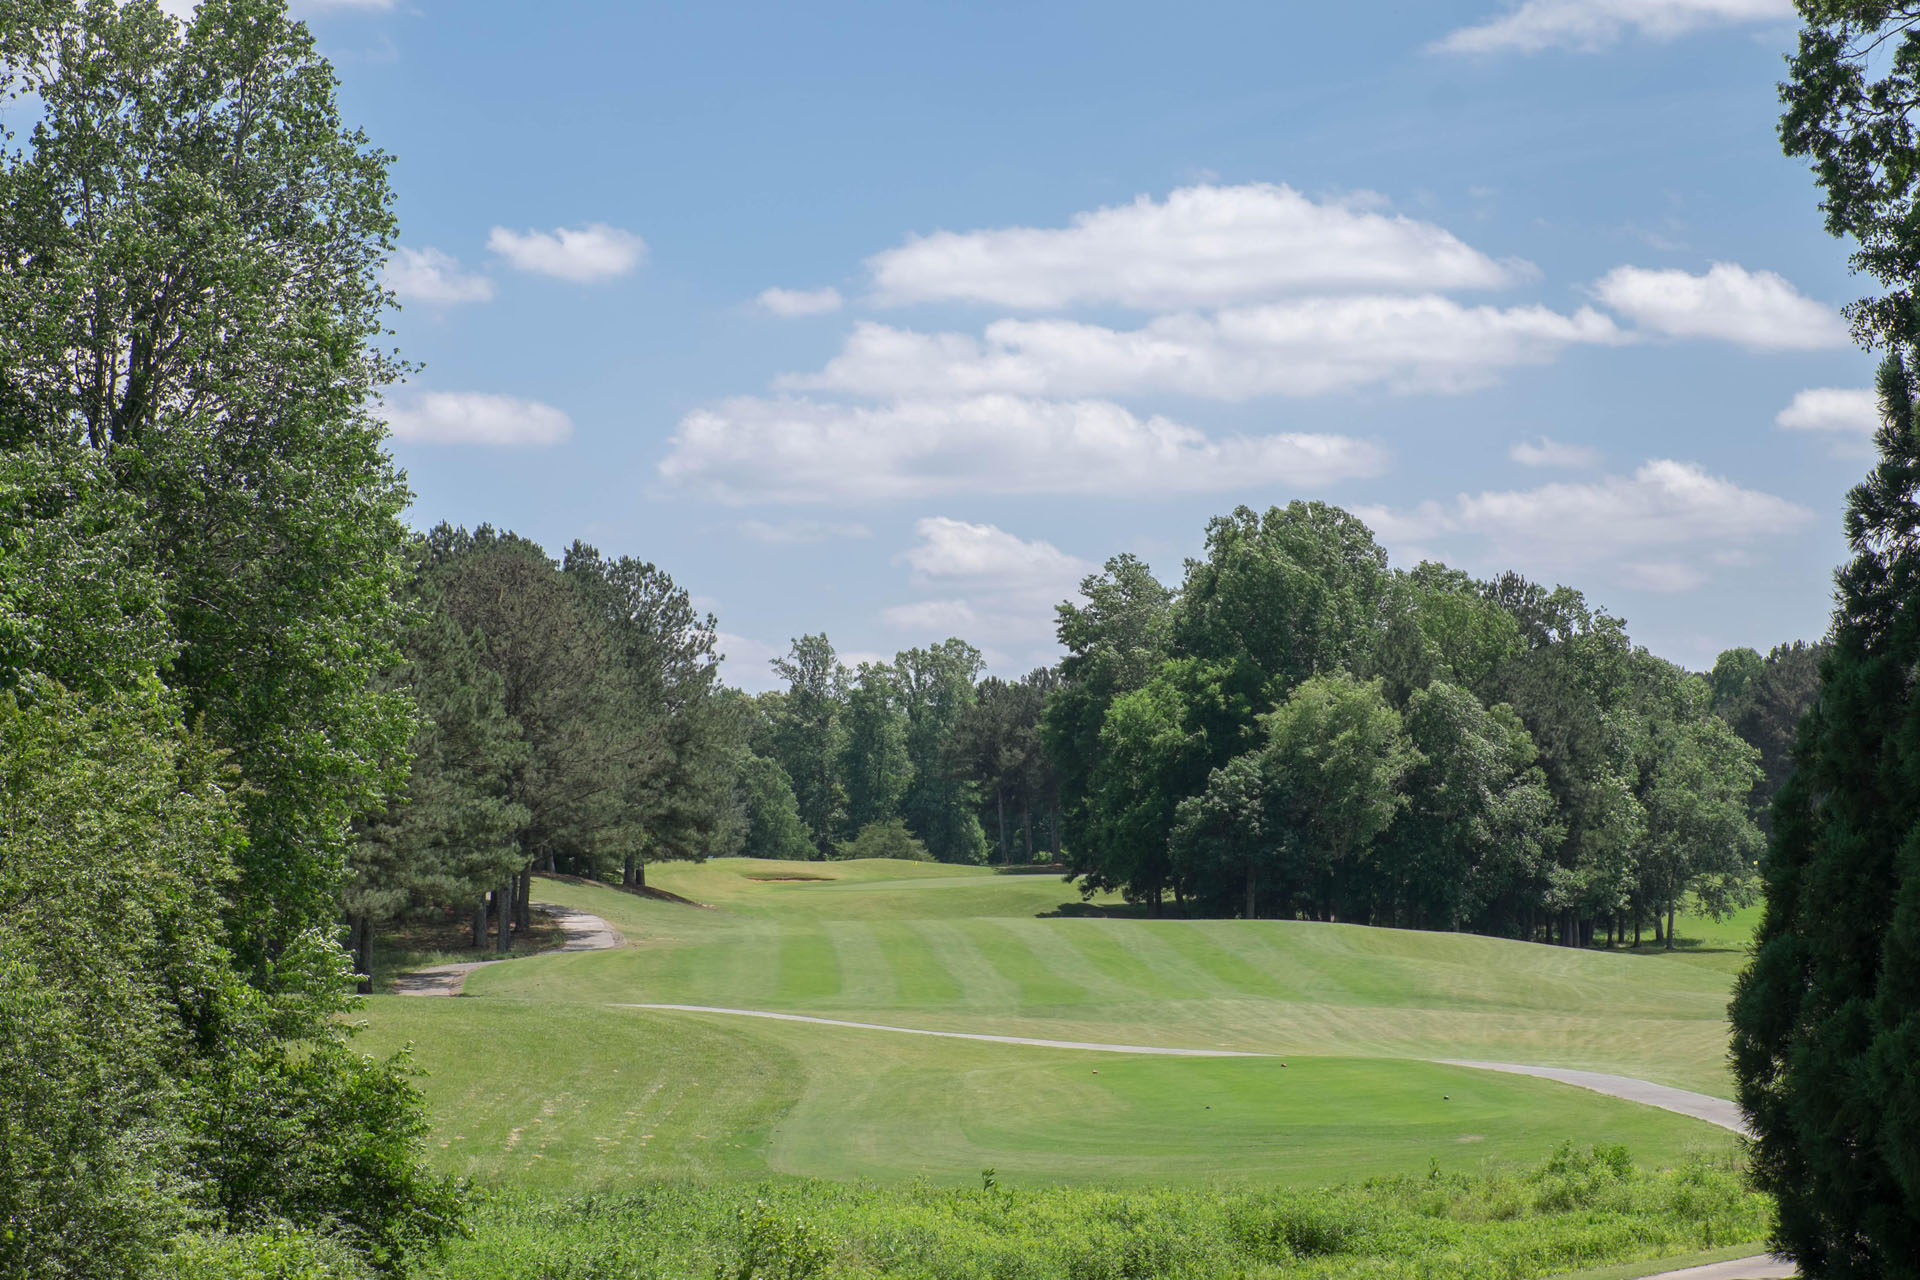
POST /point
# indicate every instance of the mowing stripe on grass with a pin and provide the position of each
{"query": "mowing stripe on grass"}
(1159, 1051)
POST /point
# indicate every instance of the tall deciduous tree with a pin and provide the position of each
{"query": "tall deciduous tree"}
(190, 246)
(936, 688)
(807, 733)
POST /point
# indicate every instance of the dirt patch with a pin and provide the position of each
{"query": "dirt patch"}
(790, 879)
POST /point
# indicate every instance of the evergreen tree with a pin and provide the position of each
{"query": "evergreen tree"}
(807, 732)
(936, 686)
(873, 751)
(1826, 1043)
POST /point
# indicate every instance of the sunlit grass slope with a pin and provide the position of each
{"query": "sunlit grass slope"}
(967, 950)
(540, 1078)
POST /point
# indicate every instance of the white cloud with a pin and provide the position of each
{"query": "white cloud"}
(1204, 246)
(1305, 347)
(476, 417)
(1656, 529)
(799, 531)
(1589, 25)
(1839, 409)
(744, 662)
(998, 590)
(797, 450)
(583, 255)
(428, 275)
(1730, 303)
(800, 302)
(1552, 453)
(983, 554)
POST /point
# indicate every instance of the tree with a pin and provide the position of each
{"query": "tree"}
(1115, 643)
(189, 317)
(889, 839)
(1826, 1019)
(996, 746)
(453, 834)
(674, 738)
(190, 249)
(1480, 820)
(1336, 756)
(807, 733)
(1848, 104)
(561, 683)
(936, 687)
(873, 752)
(770, 820)
(1767, 711)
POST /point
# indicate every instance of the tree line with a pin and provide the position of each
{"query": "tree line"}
(918, 758)
(1296, 730)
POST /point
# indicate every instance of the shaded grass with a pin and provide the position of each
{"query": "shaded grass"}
(406, 945)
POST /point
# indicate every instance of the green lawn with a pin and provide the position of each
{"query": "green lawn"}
(536, 1078)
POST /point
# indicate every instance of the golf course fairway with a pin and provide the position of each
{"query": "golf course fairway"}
(538, 1075)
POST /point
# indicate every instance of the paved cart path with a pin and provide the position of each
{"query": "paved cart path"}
(583, 933)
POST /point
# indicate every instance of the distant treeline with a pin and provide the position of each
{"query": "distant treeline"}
(1299, 731)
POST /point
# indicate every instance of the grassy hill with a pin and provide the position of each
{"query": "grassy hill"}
(541, 1077)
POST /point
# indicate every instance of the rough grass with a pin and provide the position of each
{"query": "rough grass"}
(1580, 1208)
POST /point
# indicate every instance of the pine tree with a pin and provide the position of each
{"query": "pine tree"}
(1826, 1044)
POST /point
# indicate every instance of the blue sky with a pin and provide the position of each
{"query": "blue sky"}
(1527, 285)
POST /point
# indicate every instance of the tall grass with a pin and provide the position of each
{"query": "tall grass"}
(1582, 1207)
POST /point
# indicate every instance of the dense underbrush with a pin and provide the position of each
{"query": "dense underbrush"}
(1583, 1207)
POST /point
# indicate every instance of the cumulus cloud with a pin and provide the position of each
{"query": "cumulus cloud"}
(1304, 347)
(798, 450)
(428, 275)
(1590, 25)
(1203, 246)
(800, 302)
(957, 551)
(1753, 308)
(584, 255)
(476, 417)
(995, 587)
(1656, 529)
(1552, 453)
(789, 532)
(744, 662)
(1849, 411)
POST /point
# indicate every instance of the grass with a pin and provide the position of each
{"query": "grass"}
(960, 949)
(1580, 1208)
(538, 1081)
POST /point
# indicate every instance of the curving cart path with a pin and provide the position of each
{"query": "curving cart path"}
(583, 933)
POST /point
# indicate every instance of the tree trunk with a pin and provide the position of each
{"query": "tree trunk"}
(503, 916)
(1636, 928)
(1658, 936)
(1154, 904)
(1000, 804)
(626, 872)
(363, 953)
(1251, 902)
(1670, 910)
(526, 899)
(1026, 827)
(640, 873)
(480, 923)
(1054, 830)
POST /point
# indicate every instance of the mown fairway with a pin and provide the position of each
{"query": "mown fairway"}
(539, 1076)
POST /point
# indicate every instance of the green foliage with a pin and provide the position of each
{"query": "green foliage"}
(277, 1252)
(1847, 105)
(936, 686)
(1766, 712)
(1582, 1207)
(807, 735)
(873, 752)
(771, 826)
(889, 839)
(1827, 1019)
